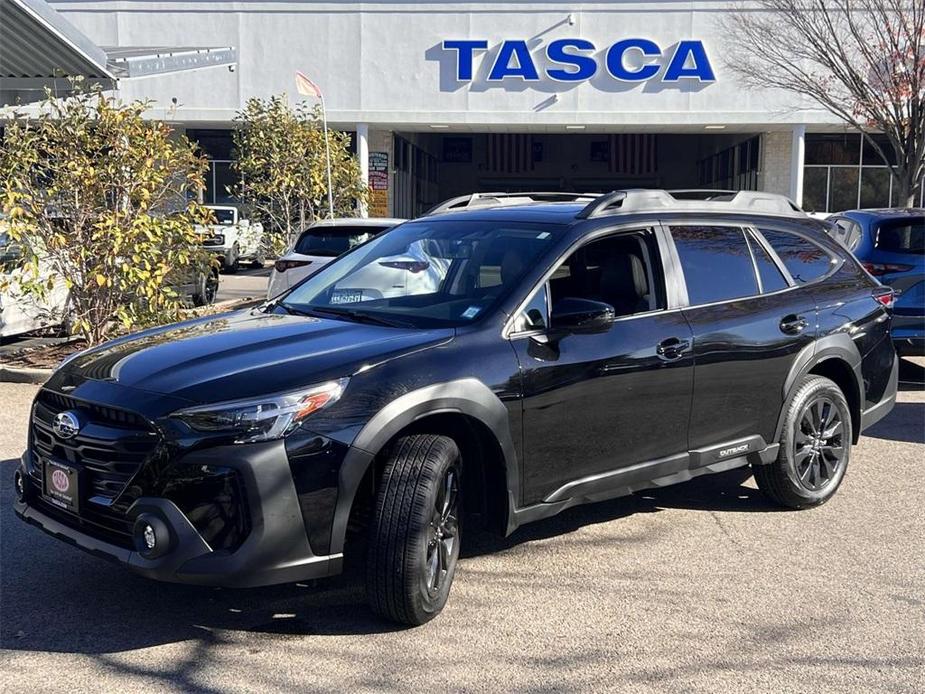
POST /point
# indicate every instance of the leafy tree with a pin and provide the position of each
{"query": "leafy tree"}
(280, 157)
(862, 60)
(97, 197)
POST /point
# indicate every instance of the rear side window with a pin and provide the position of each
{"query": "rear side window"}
(902, 236)
(803, 259)
(770, 275)
(847, 232)
(716, 262)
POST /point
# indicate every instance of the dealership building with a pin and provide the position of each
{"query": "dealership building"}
(444, 99)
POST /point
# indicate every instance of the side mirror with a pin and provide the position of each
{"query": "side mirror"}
(581, 315)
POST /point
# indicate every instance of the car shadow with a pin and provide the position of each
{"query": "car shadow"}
(911, 375)
(55, 598)
(905, 423)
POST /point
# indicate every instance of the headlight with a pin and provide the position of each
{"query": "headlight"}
(265, 418)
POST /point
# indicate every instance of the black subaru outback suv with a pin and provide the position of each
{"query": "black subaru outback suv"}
(499, 360)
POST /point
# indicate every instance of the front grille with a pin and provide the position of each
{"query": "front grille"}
(109, 450)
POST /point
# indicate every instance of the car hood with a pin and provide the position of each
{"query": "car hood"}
(242, 354)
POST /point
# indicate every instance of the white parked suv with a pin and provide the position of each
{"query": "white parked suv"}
(321, 243)
(233, 239)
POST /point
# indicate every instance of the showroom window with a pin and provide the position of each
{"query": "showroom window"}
(844, 172)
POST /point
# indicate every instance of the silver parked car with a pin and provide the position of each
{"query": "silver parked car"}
(321, 243)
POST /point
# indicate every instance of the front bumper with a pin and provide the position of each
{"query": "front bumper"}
(276, 550)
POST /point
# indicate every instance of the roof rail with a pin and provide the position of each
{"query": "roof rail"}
(475, 200)
(638, 200)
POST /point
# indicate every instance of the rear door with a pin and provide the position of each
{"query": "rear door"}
(749, 319)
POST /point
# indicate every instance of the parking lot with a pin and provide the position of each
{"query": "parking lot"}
(703, 587)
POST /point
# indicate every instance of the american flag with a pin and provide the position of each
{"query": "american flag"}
(510, 153)
(634, 155)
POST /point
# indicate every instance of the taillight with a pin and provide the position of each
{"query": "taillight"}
(409, 265)
(283, 265)
(878, 269)
(884, 296)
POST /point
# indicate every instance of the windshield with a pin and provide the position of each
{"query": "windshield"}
(426, 273)
(902, 236)
(225, 217)
(333, 241)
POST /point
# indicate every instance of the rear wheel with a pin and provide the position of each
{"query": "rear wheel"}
(414, 534)
(815, 447)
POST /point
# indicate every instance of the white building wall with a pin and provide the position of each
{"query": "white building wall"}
(383, 63)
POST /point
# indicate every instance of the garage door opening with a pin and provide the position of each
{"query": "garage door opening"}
(432, 167)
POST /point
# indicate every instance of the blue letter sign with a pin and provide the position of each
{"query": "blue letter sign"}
(573, 60)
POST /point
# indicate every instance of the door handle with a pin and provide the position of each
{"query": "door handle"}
(672, 348)
(793, 324)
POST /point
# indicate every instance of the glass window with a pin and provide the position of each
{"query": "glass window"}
(902, 235)
(332, 241)
(825, 148)
(772, 279)
(803, 259)
(845, 231)
(428, 273)
(616, 270)
(225, 181)
(534, 315)
(224, 215)
(843, 193)
(716, 262)
(815, 188)
(875, 187)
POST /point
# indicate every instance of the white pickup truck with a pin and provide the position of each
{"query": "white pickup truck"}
(233, 239)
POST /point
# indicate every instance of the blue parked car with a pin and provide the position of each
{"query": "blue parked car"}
(890, 244)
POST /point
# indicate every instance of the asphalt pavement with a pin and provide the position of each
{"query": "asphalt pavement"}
(699, 587)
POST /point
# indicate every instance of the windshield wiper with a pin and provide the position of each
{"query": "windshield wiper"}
(360, 316)
(288, 308)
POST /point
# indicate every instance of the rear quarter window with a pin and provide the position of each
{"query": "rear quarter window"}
(804, 260)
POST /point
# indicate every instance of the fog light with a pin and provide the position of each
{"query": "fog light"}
(151, 535)
(20, 483)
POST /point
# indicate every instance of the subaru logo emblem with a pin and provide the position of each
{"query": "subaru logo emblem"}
(66, 425)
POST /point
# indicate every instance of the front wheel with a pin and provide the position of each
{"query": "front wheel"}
(815, 447)
(414, 535)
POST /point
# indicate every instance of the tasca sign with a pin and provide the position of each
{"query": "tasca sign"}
(579, 60)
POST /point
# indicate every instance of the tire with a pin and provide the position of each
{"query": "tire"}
(810, 467)
(207, 289)
(259, 260)
(414, 536)
(235, 265)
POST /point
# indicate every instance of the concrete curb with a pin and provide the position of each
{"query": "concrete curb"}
(11, 374)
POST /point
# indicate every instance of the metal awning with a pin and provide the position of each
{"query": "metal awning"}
(158, 60)
(39, 48)
(38, 43)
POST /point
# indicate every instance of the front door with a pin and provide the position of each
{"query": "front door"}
(597, 403)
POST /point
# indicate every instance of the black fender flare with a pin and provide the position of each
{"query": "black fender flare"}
(835, 346)
(467, 396)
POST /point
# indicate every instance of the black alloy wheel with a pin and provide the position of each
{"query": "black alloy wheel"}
(442, 547)
(814, 446)
(819, 447)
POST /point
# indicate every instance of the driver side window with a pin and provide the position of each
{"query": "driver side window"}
(615, 270)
